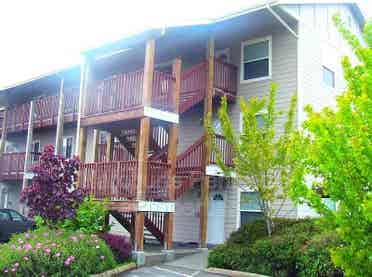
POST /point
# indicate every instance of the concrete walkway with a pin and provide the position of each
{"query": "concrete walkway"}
(188, 266)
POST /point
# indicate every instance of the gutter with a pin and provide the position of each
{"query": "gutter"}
(281, 20)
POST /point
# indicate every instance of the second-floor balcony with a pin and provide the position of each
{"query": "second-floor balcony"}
(12, 165)
(113, 98)
(46, 112)
(124, 92)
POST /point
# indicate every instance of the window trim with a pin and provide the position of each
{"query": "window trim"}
(240, 196)
(262, 112)
(250, 42)
(334, 77)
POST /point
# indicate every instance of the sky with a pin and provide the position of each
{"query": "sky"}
(39, 36)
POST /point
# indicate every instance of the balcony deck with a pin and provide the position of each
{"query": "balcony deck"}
(117, 180)
(120, 97)
(46, 110)
(12, 165)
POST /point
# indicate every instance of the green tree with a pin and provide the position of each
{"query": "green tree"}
(333, 156)
(261, 160)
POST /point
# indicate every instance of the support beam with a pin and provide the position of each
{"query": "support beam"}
(172, 154)
(208, 109)
(109, 147)
(28, 155)
(143, 148)
(60, 121)
(139, 223)
(95, 144)
(82, 143)
(148, 72)
(4, 132)
(143, 142)
(84, 82)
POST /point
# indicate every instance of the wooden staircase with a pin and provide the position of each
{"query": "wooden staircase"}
(189, 163)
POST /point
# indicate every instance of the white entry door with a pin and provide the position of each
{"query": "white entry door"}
(216, 218)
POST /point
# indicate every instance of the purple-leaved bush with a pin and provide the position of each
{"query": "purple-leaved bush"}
(120, 246)
(52, 194)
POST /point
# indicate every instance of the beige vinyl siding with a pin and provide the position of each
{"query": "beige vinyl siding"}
(284, 74)
(186, 218)
(190, 127)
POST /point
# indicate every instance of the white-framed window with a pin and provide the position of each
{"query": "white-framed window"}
(67, 147)
(250, 209)
(256, 59)
(259, 119)
(328, 77)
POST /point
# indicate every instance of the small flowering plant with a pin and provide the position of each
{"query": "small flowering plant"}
(54, 252)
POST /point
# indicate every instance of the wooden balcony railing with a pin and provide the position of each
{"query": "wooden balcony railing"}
(124, 92)
(117, 180)
(46, 112)
(12, 165)
(119, 153)
(194, 81)
(225, 77)
(225, 150)
(191, 159)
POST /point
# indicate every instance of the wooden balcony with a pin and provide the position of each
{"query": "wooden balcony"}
(120, 97)
(117, 180)
(12, 165)
(46, 110)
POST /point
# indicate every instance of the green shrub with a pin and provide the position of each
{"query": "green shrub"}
(90, 217)
(277, 255)
(229, 257)
(46, 252)
(315, 259)
(248, 233)
(297, 248)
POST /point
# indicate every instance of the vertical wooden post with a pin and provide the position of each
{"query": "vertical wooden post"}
(208, 109)
(81, 131)
(172, 155)
(109, 147)
(4, 132)
(148, 72)
(95, 144)
(61, 109)
(143, 143)
(28, 155)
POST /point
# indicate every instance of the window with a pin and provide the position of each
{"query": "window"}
(259, 119)
(256, 59)
(328, 77)
(35, 150)
(249, 207)
(4, 216)
(67, 147)
(16, 216)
